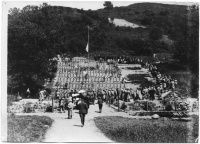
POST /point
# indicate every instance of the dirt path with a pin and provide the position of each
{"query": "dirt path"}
(70, 130)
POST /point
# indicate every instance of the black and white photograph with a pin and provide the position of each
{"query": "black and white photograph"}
(100, 72)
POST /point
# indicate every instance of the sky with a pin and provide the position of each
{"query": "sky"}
(93, 5)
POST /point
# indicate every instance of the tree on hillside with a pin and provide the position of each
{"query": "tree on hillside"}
(37, 34)
(187, 46)
(146, 20)
(112, 19)
(108, 5)
(155, 34)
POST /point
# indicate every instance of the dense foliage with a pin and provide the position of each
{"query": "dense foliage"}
(108, 5)
(187, 46)
(37, 34)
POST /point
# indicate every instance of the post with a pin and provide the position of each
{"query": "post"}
(52, 103)
(118, 96)
(88, 46)
(147, 105)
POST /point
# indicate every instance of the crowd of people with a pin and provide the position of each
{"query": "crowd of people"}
(120, 59)
(70, 99)
(163, 84)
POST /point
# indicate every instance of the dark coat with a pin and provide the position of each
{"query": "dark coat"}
(83, 108)
(87, 101)
(100, 101)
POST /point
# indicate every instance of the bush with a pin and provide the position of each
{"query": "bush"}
(142, 105)
(10, 99)
(155, 34)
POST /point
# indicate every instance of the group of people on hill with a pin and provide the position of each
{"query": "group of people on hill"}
(163, 83)
(119, 59)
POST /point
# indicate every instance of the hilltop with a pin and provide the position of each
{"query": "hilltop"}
(166, 17)
(37, 34)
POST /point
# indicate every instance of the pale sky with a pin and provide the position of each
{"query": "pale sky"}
(93, 5)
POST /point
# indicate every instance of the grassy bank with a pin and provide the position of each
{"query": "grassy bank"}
(121, 129)
(27, 128)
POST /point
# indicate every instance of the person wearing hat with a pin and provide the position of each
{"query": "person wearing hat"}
(122, 94)
(176, 83)
(118, 92)
(104, 95)
(70, 108)
(83, 110)
(91, 95)
(172, 84)
(132, 94)
(112, 96)
(41, 94)
(100, 103)
(87, 99)
(126, 95)
(107, 96)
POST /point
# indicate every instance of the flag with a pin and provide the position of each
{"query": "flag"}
(87, 47)
(93, 26)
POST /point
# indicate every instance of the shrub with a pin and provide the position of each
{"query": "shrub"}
(10, 99)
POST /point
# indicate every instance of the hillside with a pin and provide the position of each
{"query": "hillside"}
(37, 34)
(164, 16)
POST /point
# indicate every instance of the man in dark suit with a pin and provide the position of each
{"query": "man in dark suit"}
(83, 110)
(100, 103)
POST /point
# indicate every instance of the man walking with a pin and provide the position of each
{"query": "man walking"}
(83, 110)
(100, 103)
(70, 109)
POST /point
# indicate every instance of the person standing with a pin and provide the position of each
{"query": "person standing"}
(87, 101)
(100, 103)
(70, 109)
(83, 110)
(41, 93)
(60, 101)
(28, 93)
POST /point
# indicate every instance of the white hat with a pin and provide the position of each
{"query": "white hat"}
(81, 91)
(73, 95)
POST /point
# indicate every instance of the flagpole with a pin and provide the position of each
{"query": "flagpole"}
(88, 53)
(88, 44)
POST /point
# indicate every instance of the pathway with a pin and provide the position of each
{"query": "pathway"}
(70, 130)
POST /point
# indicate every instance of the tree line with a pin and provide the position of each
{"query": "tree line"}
(36, 34)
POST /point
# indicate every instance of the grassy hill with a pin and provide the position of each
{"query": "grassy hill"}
(37, 34)
(166, 17)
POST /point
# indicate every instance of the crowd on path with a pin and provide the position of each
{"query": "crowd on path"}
(72, 98)
(163, 84)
